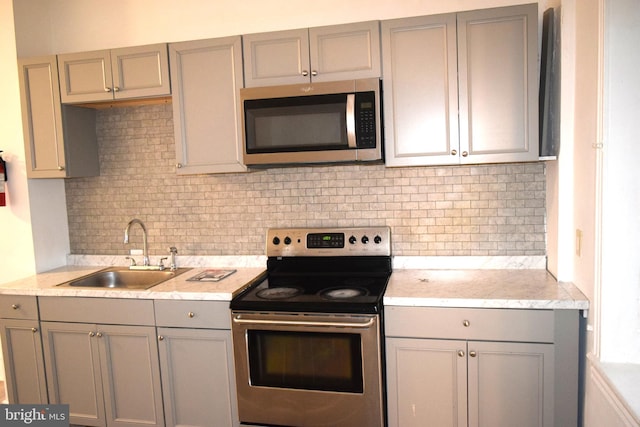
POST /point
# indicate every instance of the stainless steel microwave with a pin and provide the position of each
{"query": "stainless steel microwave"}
(317, 123)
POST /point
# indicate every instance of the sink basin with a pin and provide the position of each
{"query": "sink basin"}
(123, 278)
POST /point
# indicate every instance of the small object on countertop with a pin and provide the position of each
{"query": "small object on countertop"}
(211, 275)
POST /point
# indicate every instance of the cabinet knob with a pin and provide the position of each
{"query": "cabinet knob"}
(107, 89)
(178, 165)
(314, 73)
(99, 334)
(34, 330)
(305, 73)
(60, 168)
(454, 152)
(466, 323)
(116, 89)
(92, 334)
(15, 306)
(160, 338)
(460, 353)
(465, 154)
(472, 354)
(191, 315)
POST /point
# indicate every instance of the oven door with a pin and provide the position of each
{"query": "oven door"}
(308, 369)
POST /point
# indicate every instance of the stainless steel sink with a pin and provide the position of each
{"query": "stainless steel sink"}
(124, 278)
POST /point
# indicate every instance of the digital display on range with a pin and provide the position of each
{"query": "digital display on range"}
(325, 240)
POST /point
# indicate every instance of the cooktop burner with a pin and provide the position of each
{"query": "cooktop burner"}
(343, 293)
(278, 292)
(343, 270)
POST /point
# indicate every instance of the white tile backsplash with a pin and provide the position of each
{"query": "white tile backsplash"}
(479, 210)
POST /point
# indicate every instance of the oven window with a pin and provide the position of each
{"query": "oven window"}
(303, 360)
(296, 124)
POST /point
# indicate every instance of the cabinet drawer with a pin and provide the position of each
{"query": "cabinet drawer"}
(470, 323)
(97, 310)
(193, 314)
(18, 307)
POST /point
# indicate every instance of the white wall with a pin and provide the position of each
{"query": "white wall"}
(78, 25)
(16, 247)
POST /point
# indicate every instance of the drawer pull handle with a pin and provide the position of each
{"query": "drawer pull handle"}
(460, 353)
(15, 306)
(466, 323)
(472, 354)
(191, 315)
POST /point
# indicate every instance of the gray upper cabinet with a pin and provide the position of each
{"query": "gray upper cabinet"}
(461, 88)
(60, 140)
(206, 78)
(420, 90)
(106, 75)
(337, 52)
(498, 78)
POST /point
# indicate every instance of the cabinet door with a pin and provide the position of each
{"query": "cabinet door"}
(510, 384)
(23, 362)
(206, 78)
(345, 52)
(42, 117)
(131, 375)
(140, 71)
(420, 91)
(198, 381)
(497, 63)
(73, 371)
(426, 382)
(85, 76)
(276, 58)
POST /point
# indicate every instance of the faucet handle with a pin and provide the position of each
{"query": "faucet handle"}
(132, 262)
(161, 262)
(173, 250)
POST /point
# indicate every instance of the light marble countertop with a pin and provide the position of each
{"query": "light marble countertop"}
(475, 282)
(522, 288)
(45, 284)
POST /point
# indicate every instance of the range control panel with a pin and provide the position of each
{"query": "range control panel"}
(357, 241)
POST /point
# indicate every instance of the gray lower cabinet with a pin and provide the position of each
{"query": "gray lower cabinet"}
(22, 350)
(196, 361)
(481, 367)
(108, 372)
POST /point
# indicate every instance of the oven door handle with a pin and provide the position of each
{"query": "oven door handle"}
(238, 319)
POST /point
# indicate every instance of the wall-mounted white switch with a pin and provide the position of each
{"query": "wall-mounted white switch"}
(135, 252)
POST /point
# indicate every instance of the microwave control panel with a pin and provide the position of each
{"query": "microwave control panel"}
(365, 120)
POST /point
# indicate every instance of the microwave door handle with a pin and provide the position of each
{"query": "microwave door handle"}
(351, 120)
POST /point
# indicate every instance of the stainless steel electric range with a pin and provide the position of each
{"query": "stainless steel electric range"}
(307, 339)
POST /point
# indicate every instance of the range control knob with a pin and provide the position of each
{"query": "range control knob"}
(377, 239)
(365, 240)
(276, 240)
(353, 240)
(287, 240)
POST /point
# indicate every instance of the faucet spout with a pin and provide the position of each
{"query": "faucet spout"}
(145, 251)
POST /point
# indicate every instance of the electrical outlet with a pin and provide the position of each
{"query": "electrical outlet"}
(135, 252)
(578, 242)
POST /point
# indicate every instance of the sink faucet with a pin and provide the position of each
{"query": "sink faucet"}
(145, 253)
